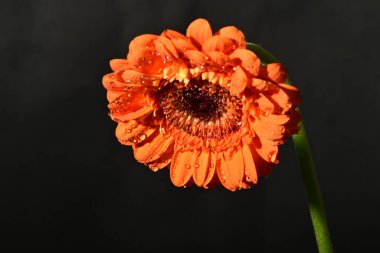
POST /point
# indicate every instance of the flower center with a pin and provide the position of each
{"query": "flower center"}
(201, 108)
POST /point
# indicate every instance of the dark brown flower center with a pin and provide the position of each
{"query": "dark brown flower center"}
(200, 108)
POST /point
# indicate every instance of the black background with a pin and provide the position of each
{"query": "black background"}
(67, 184)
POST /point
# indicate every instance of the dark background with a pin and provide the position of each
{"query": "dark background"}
(67, 185)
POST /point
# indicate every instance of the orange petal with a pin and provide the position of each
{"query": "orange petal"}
(142, 41)
(112, 95)
(118, 64)
(131, 105)
(132, 132)
(183, 45)
(233, 33)
(198, 32)
(212, 166)
(181, 168)
(219, 43)
(171, 34)
(231, 170)
(265, 105)
(270, 127)
(292, 126)
(249, 165)
(266, 149)
(220, 59)
(163, 161)
(247, 59)
(165, 47)
(279, 98)
(275, 72)
(115, 82)
(238, 81)
(263, 167)
(201, 167)
(153, 147)
(134, 77)
(196, 57)
(146, 61)
(292, 93)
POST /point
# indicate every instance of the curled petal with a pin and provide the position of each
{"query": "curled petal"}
(275, 72)
(153, 147)
(137, 78)
(112, 95)
(233, 33)
(132, 132)
(219, 43)
(146, 61)
(247, 59)
(198, 32)
(163, 160)
(130, 105)
(238, 81)
(118, 64)
(115, 82)
(143, 41)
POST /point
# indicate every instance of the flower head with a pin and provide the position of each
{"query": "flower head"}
(203, 104)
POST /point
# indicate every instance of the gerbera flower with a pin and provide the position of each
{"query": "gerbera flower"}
(203, 104)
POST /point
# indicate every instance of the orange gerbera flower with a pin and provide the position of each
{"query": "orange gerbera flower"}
(202, 103)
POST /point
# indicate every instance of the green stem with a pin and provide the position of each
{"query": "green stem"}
(308, 171)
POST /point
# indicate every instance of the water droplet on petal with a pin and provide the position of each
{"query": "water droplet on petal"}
(128, 130)
(188, 166)
(196, 165)
(154, 168)
(273, 157)
(141, 136)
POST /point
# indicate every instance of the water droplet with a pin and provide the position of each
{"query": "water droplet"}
(129, 95)
(128, 130)
(133, 140)
(133, 126)
(273, 157)
(154, 168)
(196, 165)
(188, 166)
(141, 136)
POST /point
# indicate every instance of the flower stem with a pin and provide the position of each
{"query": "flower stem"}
(308, 171)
